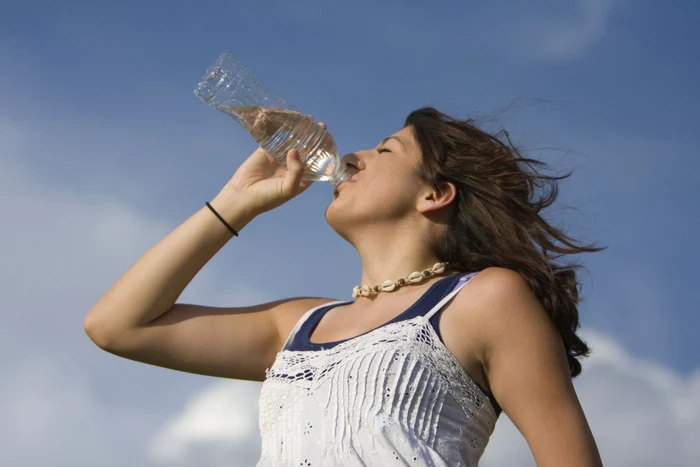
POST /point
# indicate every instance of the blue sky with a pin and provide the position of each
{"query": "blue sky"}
(99, 126)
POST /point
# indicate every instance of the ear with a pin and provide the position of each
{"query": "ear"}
(432, 199)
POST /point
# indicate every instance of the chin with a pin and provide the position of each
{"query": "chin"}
(333, 213)
(340, 218)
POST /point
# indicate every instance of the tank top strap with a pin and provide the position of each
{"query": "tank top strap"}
(305, 317)
(460, 283)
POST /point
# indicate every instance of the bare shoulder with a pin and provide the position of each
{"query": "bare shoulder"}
(497, 283)
(287, 316)
(501, 305)
(525, 364)
(498, 291)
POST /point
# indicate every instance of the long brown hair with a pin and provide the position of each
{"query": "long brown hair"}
(496, 217)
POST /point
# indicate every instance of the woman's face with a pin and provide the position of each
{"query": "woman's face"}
(384, 186)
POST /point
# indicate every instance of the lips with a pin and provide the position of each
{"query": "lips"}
(352, 179)
(349, 180)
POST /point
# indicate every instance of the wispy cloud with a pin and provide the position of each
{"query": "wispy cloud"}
(60, 252)
(567, 34)
(51, 417)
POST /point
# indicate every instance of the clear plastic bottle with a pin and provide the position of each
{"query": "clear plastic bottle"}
(231, 87)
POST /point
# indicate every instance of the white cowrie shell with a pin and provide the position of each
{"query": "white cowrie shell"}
(364, 290)
(356, 291)
(439, 268)
(415, 277)
(388, 286)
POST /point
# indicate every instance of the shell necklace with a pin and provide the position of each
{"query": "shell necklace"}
(389, 285)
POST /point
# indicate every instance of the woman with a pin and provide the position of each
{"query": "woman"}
(414, 371)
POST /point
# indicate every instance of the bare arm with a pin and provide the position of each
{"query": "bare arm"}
(150, 286)
(528, 372)
(137, 317)
(237, 343)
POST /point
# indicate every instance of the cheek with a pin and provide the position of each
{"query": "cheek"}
(385, 190)
(390, 193)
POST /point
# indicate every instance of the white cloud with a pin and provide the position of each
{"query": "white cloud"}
(641, 413)
(221, 422)
(563, 36)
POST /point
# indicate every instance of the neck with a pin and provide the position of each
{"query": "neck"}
(390, 254)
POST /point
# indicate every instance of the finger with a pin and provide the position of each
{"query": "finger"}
(295, 171)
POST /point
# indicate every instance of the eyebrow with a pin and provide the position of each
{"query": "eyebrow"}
(393, 137)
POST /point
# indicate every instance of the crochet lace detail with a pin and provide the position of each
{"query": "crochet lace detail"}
(398, 375)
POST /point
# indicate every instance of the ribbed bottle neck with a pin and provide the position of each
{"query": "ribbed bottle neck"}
(339, 175)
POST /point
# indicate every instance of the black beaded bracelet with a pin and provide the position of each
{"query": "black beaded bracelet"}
(228, 226)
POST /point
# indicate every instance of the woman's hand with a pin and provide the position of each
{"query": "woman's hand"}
(264, 184)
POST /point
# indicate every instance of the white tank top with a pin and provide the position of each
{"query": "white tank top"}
(393, 396)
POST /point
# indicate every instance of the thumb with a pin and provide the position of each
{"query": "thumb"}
(295, 171)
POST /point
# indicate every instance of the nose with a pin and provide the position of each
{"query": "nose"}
(351, 160)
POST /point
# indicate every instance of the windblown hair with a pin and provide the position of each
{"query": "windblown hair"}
(496, 217)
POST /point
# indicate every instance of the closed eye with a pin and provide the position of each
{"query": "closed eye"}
(381, 150)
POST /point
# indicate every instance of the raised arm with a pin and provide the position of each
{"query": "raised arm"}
(137, 318)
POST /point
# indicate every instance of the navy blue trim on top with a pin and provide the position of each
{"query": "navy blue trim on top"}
(423, 305)
(431, 297)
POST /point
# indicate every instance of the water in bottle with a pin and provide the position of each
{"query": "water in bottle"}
(230, 87)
